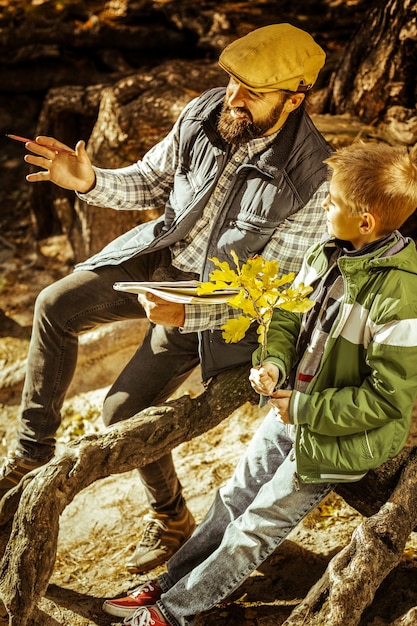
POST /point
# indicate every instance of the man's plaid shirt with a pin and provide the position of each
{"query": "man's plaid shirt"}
(147, 184)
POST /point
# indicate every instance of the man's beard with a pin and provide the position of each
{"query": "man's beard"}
(238, 132)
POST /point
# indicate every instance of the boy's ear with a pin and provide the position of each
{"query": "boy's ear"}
(367, 224)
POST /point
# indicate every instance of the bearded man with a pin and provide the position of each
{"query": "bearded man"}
(242, 169)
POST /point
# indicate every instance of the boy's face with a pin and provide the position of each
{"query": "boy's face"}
(340, 223)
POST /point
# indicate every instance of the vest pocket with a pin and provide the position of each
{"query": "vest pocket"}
(184, 191)
(259, 229)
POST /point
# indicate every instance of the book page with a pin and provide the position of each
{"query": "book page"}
(184, 292)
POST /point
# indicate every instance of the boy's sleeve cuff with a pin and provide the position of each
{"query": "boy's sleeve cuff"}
(298, 410)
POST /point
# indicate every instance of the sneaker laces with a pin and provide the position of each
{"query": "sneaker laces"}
(145, 587)
(152, 532)
(141, 617)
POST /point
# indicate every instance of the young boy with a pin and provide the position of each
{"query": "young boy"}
(350, 360)
(349, 369)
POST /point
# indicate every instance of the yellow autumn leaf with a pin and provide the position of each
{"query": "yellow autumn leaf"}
(241, 301)
(205, 288)
(295, 299)
(261, 334)
(235, 258)
(230, 278)
(257, 269)
(235, 329)
(296, 306)
(224, 265)
(224, 273)
(285, 279)
(267, 300)
(300, 291)
(270, 270)
(253, 267)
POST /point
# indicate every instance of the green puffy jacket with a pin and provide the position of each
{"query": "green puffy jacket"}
(355, 413)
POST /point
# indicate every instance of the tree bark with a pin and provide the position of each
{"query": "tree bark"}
(359, 569)
(376, 79)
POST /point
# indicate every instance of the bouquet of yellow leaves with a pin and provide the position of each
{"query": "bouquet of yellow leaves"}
(260, 291)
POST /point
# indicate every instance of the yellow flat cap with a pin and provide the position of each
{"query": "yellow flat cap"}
(278, 56)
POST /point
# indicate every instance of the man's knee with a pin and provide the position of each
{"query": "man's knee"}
(48, 301)
(63, 304)
(117, 407)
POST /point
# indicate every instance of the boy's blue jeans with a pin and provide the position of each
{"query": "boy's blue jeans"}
(251, 515)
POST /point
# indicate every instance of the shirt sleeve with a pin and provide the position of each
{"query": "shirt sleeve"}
(297, 233)
(143, 185)
(199, 317)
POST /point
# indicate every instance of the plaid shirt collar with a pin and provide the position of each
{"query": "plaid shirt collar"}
(255, 146)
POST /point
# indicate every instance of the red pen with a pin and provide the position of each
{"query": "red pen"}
(54, 148)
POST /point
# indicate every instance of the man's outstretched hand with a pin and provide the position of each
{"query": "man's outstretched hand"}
(71, 169)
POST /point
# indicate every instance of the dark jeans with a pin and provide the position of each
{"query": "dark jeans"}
(78, 303)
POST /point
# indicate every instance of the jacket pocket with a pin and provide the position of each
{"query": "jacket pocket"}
(366, 446)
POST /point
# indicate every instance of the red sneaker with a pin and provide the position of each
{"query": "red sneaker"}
(144, 595)
(146, 616)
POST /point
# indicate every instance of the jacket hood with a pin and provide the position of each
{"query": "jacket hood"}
(399, 253)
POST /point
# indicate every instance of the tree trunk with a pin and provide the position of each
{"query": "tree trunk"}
(376, 79)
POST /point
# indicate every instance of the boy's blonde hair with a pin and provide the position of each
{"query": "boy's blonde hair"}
(378, 179)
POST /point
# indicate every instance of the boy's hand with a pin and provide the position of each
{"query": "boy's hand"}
(159, 311)
(280, 400)
(264, 379)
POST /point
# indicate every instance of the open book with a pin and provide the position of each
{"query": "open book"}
(183, 291)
